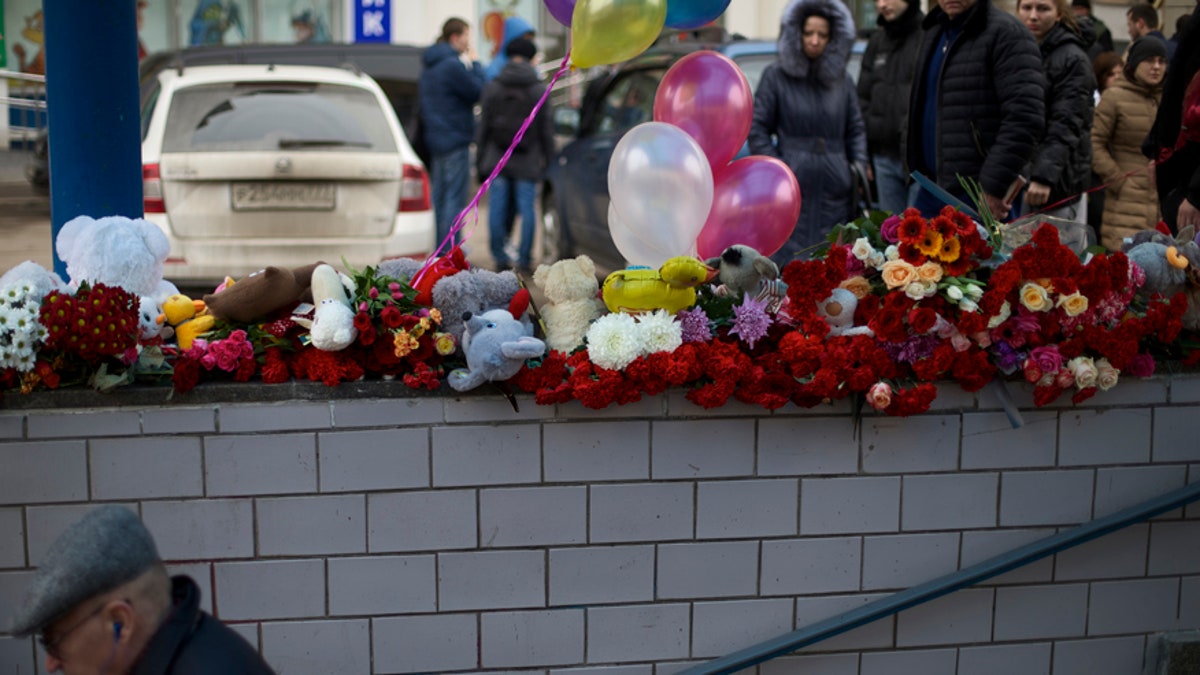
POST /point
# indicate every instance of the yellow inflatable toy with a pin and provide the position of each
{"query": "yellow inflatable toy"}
(671, 287)
(188, 317)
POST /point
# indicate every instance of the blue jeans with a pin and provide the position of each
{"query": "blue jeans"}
(500, 218)
(448, 188)
(894, 195)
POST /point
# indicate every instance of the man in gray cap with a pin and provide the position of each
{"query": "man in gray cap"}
(103, 603)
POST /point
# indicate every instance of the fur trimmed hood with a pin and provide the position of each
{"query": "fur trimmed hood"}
(830, 67)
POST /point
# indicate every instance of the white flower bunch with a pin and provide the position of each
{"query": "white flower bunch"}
(615, 340)
(20, 330)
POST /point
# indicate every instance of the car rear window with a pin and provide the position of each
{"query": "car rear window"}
(293, 116)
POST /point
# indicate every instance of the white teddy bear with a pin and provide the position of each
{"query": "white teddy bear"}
(116, 251)
(572, 292)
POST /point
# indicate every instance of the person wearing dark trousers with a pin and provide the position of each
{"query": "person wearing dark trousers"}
(1174, 140)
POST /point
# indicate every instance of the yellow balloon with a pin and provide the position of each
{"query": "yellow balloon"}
(611, 31)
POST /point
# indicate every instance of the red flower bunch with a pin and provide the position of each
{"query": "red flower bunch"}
(950, 238)
(93, 323)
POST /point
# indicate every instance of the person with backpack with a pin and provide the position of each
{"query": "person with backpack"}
(506, 103)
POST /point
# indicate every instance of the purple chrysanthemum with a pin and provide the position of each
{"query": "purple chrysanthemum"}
(750, 320)
(694, 325)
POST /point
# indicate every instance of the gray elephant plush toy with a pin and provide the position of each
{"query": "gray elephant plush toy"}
(496, 346)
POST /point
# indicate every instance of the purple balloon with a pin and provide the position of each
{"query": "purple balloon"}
(561, 10)
(688, 14)
(756, 201)
(707, 95)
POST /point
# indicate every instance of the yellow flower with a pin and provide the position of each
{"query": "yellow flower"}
(1035, 298)
(436, 315)
(1073, 304)
(444, 343)
(404, 343)
(929, 272)
(931, 243)
(897, 273)
(951, 249)
(858, 285)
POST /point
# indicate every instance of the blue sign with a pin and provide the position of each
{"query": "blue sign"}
(373, 21)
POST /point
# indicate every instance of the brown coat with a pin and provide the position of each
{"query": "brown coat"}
(1123, 118)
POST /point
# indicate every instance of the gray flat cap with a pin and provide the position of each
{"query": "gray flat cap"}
(103, 550)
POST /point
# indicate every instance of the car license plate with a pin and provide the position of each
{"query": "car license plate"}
(283, 196)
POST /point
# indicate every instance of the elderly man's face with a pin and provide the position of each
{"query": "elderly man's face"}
(953, 8)
(83, 642)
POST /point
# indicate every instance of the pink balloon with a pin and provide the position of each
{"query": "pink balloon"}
(707, 95)
(756, 201)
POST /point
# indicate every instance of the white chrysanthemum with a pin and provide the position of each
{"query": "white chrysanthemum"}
(25, 362)
(613, 341)
(8, 317)
(660, 332)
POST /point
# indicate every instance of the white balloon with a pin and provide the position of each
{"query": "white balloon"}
(661, 186)
(635, 251)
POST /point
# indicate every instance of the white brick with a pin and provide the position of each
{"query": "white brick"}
(874, 635)
(849, 505)
(1040, 612)
(1184, 388)
(85, 423)
(750, 508)
(641, 512)
(478, 455)
(1140, 606)
(1120, 488)
(422, 521)
(928, 662)
(910, 444)
(50, 471)
(208, 529)
(949, 501)
(990, 442)
(388, 459)
(806, 446)
(719, 628)
(816, 664)
(318, 647)
(523, 639)
(599, 575)
(269, 589)
(382, 585)
(1134, 392)
(1175, 548)
(1117, 555)
(642, 633)
(491, 580)
(44, 524)
(12, 425)
(1110, 436)
(493, 408)
(1089, 657)
(387, 412)
(1045, 497)
(285, 416)
(1026, 659)
(533, 516)
(708, 570)
(260, 464)
(597, 451)
(16, 655)
(1174, 438)
(962, 617)
(905, 560)
(179, 420)
(814, 565)
(1189, 601)
(433, 643)
(145, 468)
(249, 633)
(702, 448)
(312, 525)
(12, 539)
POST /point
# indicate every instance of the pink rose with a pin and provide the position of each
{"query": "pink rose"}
(879, 396)
(1047, 358)
(890, 229)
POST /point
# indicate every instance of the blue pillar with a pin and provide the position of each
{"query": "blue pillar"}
(92, 100)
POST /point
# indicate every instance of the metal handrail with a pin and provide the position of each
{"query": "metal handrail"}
(931, 590)
(18, 75)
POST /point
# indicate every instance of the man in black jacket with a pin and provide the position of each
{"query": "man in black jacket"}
(103, 603)
(884, 83)
(978, 103)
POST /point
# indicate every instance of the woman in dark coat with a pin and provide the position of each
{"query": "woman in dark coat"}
(806, 113)
(1062, 162)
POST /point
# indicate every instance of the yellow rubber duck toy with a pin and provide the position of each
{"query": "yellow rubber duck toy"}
(188, 317)
(671, 287)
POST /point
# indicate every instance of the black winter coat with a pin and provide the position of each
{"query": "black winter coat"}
(446, 96)
(885, 81)
(533, 154)
(190, 642)
(991, 108)
(1063, 160)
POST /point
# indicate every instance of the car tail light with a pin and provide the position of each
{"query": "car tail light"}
(414, 189)
(152, 196)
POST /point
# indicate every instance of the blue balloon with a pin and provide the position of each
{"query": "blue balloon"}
(688, 14)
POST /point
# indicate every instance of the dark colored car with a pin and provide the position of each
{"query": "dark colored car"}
(395, 67)
(575, 192)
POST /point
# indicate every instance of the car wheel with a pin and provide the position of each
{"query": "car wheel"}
(554, 242)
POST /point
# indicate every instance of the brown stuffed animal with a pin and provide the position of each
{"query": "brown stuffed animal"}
(261, 294)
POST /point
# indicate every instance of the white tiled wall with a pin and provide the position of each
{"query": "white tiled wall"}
(453, 535)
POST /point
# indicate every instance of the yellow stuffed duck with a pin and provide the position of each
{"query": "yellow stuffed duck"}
(189, 318)
(671, 287)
